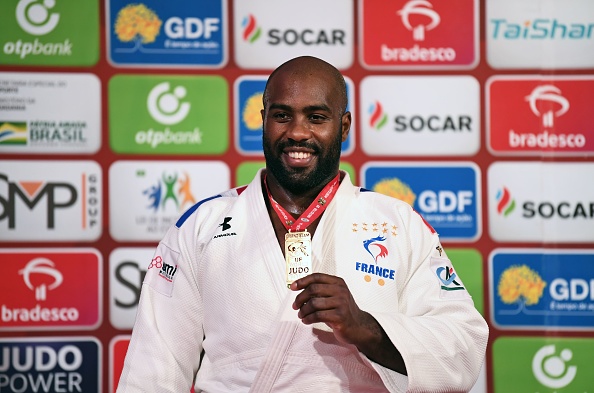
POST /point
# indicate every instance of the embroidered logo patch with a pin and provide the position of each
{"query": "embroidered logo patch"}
(451, 286)
(375, 247)
(162, 270)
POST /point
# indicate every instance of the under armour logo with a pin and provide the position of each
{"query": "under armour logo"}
(225, 223)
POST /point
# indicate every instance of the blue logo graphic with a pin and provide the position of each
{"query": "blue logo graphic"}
(173, 32)
(542, 290)
(447, 196)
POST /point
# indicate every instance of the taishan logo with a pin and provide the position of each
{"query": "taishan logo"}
(505, 203)
(377, 117)
(549, 95)
(419, 7)
(251, 30)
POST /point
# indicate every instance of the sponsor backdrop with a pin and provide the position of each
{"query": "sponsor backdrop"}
(116, 116)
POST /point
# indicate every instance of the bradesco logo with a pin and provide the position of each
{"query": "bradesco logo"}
(48, 27)
(248, 91)
(153, 33)
(419, 34)
(541, 289)
(524, 208)
(155, 194)
(49, 289)
(542, 364)
(524, 34)
(50, 364)
(168, 115)
(447, 195)
(536, 115)
(260, 41)
(127, 267)
(409, 123)
(50, 200)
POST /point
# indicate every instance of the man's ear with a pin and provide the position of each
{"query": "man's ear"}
(346, 125)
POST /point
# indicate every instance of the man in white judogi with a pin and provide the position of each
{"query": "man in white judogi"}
(300, 281)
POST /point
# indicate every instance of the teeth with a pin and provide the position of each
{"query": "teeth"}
(299, 155)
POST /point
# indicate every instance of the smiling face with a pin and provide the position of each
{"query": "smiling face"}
(304, 124)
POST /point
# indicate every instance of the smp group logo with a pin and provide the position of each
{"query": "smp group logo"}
(50, 201)
(41, 113)
(524, 208)
(537, 115)
(261, 42)
(51, 289)
(175, 33)
(248, 92)
(51, 364)
(146, 197)
(541, 289)
(542, 364)
(168, 115)
(539, 34)
(127, 269)
(413, 115)
(419, 34)
(49, 32)
(446, 194)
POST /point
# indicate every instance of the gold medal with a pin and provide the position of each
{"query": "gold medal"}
(297, 255)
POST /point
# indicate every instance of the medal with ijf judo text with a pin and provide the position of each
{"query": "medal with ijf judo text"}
(298, 249)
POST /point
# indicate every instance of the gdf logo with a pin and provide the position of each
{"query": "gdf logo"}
(551, 370)
(44, 267)
(191, 28)
(34, 17)
(419, 7)
(165, 107)
(552, 95)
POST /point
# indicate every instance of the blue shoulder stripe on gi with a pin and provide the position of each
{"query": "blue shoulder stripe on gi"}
(365, 190)
(192, 209)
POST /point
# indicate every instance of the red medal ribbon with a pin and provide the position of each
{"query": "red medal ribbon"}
(315, 209)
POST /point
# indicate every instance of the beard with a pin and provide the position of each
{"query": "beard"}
(301, 180)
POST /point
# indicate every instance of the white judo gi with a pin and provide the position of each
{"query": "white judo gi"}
(217, 286)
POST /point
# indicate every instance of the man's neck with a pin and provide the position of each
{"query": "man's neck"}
(295, 204)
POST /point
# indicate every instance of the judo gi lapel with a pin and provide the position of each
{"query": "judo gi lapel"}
(324, 261)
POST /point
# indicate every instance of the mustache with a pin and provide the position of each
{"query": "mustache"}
(306, 145)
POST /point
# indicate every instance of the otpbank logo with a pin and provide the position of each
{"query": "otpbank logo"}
(261, 42)
(542, 364)
(159, 34)
(147, 197)
(419, 34)
(51, 289)
(248, 92)
(542, 289)
(541, 202)
(540, 34)
(446, 194)
(49, 32)
(51, 364)
(539, 115)
(168, 114)
(412, 115)
(50, 200)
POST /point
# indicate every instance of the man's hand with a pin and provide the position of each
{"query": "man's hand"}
(327, 299)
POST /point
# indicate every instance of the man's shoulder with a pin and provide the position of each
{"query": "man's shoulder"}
(215, 201)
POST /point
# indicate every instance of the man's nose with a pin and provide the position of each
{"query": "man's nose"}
(300, 130)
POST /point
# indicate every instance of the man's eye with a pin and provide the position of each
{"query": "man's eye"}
(281, 116)
(317, 118)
